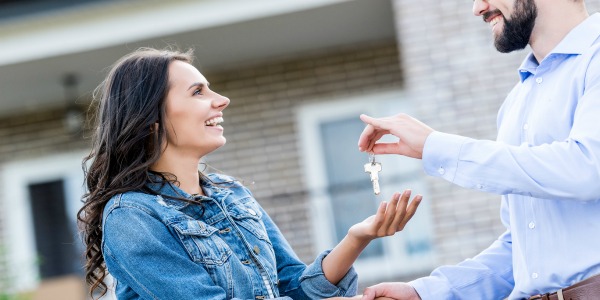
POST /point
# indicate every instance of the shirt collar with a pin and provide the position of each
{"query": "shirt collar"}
(578, 40)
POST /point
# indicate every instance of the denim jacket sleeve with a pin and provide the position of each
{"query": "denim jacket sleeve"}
(299, 281)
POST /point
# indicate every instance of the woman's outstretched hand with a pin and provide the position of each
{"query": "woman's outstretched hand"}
(390, 217)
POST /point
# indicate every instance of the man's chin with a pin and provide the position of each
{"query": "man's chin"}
(503, 47)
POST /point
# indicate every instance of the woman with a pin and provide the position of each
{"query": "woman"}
(166, 231)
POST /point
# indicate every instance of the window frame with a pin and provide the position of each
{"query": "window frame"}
(384, 103)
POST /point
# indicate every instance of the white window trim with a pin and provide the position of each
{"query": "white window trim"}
(308, 116)
(18, 223)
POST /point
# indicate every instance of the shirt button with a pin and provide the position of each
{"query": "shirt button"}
(525, 126)
(531, 225)
(256, 250)
(251, 211)
(534, 275)
(441, 171)
(539, 80)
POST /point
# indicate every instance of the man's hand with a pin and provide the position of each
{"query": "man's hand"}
(393, 290)
(411, 134)
(358, 298)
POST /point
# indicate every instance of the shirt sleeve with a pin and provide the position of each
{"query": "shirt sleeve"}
(567, 169)
(143, 254)
(488, 275)
(299, 281)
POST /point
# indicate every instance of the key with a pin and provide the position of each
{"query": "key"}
(373, 168)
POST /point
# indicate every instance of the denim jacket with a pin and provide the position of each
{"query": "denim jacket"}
(228, 247)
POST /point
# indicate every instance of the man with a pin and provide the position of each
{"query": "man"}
(545, 162)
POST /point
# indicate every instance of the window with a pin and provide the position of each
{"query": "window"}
(54, 239)
(342, 195)
(41, 198)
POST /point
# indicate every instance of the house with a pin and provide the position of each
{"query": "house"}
(298, 73)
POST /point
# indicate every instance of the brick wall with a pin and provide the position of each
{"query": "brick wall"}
(457, 81)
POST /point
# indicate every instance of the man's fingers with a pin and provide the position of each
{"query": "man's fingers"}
(372, 121)
(373, 292)
(371, 134)
(364, 141)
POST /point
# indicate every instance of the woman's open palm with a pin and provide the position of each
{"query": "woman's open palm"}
(390, 217)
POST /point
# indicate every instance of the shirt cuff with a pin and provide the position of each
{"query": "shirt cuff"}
(316, 286)
(432, 288)
(441, 153)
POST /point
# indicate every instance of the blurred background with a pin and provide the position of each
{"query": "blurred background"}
(298, 73)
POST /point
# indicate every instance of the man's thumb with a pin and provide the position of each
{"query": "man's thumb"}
(368, 294)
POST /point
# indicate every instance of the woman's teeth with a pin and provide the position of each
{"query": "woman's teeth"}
(214, 121)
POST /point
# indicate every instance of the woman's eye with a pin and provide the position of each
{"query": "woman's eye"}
(198, 92)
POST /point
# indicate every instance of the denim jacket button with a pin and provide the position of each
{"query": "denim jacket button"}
(251, 211)
(256, 250)
(260, 297)
(245, 262)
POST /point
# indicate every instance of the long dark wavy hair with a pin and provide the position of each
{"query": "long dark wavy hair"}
(128, 104)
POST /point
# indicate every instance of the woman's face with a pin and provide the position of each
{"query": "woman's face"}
(193, 112)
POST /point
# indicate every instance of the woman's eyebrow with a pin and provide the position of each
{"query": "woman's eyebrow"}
(198, 84)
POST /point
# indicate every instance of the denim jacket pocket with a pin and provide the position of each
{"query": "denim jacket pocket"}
(248, 215)
(201, 243)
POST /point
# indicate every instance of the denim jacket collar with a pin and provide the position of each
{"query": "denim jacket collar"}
(172, 192)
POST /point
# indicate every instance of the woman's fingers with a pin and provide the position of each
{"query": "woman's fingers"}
(400, 211)
(390, 214)
(380, 215)
(410, 211)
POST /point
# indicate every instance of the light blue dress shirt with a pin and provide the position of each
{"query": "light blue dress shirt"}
(546, 165)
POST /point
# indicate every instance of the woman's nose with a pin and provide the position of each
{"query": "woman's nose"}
(220, 101)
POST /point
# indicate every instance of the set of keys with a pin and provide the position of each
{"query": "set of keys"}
(373, 168)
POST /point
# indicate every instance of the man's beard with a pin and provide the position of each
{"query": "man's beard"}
(517, 31)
